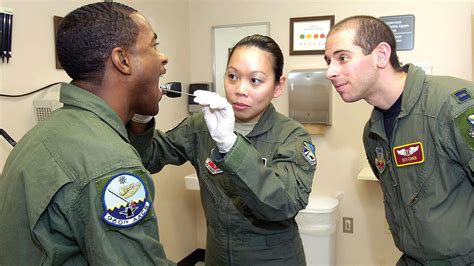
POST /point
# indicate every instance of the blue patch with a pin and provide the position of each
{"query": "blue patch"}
(462, 95)
(125, 200)
(309, 153)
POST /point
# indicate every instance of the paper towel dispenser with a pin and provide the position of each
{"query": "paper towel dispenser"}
(310, 96)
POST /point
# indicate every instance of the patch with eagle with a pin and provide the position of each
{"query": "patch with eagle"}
(409, 154)
(125, 200)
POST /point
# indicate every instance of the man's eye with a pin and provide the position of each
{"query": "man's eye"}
(343, 58)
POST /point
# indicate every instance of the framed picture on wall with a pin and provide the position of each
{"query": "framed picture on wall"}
(308, 34)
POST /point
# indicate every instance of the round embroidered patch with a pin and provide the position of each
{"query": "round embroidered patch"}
(125, 200)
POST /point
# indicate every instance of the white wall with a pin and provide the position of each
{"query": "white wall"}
(184, 30)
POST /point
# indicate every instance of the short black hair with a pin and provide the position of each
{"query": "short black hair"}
(370, 32)
(267, 44)
(87, 36)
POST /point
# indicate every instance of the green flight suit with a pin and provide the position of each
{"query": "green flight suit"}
(426, 170)
(51, 201)
(250, 206)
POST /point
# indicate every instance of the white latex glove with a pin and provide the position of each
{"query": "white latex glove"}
(219, 118)
(141, 118)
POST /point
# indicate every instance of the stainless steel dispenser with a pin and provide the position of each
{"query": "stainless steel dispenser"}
(310, 96)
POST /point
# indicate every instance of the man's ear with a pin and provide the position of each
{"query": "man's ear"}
(382, 53)
(120, 60)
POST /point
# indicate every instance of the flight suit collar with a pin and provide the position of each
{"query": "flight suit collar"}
(265, 123)
(411, 92)
(78, 97)
(412, 89)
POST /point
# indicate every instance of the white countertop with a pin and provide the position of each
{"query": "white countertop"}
(192, 182)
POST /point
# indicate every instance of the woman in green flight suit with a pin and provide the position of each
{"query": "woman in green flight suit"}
(255, 166)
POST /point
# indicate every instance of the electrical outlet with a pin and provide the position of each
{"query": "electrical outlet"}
(348, 225)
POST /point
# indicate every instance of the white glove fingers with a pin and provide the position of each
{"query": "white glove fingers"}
(211, 99)
(206, 111)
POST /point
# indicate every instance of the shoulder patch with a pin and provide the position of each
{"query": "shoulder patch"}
(461, 95)
(465, 124)
(309, 153)
(125, 199)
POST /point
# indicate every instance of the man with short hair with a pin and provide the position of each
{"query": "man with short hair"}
(74, 191)
(419, 141)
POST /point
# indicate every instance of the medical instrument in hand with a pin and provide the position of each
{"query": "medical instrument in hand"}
(173, 90)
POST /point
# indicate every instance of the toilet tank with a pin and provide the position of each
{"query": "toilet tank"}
(317, 226)
(319, 217)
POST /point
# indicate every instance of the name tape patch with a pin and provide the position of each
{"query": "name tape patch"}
(409, 154)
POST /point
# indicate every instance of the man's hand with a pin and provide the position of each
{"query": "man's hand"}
(219, 118)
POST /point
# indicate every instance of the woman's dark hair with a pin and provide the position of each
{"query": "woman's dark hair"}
(267, 44)
(87, 36)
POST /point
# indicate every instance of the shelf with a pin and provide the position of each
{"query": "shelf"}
(192, 182)
(367, 174)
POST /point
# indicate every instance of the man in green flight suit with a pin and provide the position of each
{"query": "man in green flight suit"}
(74, 191)
(419, 141)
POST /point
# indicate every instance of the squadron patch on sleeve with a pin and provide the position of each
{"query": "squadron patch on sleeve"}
(125, 200)
(309, 153)
(465, 124)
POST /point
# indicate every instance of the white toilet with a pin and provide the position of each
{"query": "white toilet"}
(317, 226)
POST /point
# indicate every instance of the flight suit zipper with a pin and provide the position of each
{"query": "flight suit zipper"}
(396, 188)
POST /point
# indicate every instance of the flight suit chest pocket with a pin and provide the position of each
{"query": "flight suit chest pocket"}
(209, 178)
(414, 169)
(379, 159)
(208, 192)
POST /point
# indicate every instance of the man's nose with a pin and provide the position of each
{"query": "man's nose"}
(332, 71)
